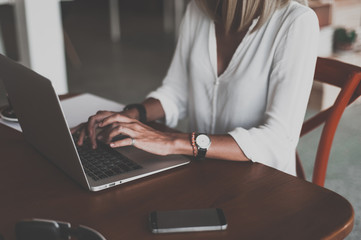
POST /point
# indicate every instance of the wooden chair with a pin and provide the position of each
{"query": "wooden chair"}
(342, 75)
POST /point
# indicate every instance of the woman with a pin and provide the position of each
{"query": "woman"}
(242, 73)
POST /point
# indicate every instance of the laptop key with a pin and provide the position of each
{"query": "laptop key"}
(109, 173)
(102, 176)
(117, 170)
(104, 161)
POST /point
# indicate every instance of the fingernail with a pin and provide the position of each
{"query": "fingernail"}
(112, 145)
(94, 146)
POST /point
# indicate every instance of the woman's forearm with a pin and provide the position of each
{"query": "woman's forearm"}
(154, 109)
(222, 147)
(225, 147)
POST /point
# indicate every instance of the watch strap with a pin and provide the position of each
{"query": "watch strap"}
(201, 153)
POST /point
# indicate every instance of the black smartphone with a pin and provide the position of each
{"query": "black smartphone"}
(194, 220)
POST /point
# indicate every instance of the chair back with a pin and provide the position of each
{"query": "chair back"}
(342, 75)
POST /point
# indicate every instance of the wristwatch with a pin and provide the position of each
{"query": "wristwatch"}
(202, 142)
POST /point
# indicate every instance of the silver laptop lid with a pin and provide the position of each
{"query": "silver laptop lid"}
(32, 96)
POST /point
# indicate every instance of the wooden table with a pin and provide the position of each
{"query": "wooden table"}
(259, 202)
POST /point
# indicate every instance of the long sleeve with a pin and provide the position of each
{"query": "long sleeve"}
(273, 142)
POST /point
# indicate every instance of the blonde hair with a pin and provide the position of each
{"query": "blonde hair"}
(237, 15)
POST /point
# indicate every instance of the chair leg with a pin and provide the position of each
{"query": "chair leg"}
(299, 168)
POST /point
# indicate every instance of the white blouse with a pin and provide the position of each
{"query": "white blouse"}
(261, 97)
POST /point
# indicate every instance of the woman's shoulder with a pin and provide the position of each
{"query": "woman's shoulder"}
(194, 17)
(194, 14)
(295, 11)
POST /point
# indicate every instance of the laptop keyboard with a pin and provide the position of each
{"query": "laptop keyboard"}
(104, 161)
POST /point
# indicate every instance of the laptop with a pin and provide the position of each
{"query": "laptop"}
(44, 126)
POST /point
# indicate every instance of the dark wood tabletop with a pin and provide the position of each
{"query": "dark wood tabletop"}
(259, 202)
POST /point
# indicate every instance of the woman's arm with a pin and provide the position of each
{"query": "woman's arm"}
(154, 111)
(164, 143)
(225, 147)
(151, 140)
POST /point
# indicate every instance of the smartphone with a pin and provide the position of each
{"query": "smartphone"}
(195, 220)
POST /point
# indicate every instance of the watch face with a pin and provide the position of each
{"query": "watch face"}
(203, 141)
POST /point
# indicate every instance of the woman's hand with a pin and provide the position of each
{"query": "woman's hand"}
(89, 128)
(140, 135)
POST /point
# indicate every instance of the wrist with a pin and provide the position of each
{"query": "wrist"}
(181, 144)
(131, 113)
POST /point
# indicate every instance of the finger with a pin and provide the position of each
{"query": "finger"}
(73, 130)
(116, 118)
(77, 128)
(104, 133)
(104, 112)
(123, 143)
(81, 137)
(123, 129)
(92, 137)
(93, 124)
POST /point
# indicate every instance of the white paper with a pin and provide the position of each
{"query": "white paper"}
(78, 109)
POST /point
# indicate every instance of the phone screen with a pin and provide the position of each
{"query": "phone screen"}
(188, 220)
